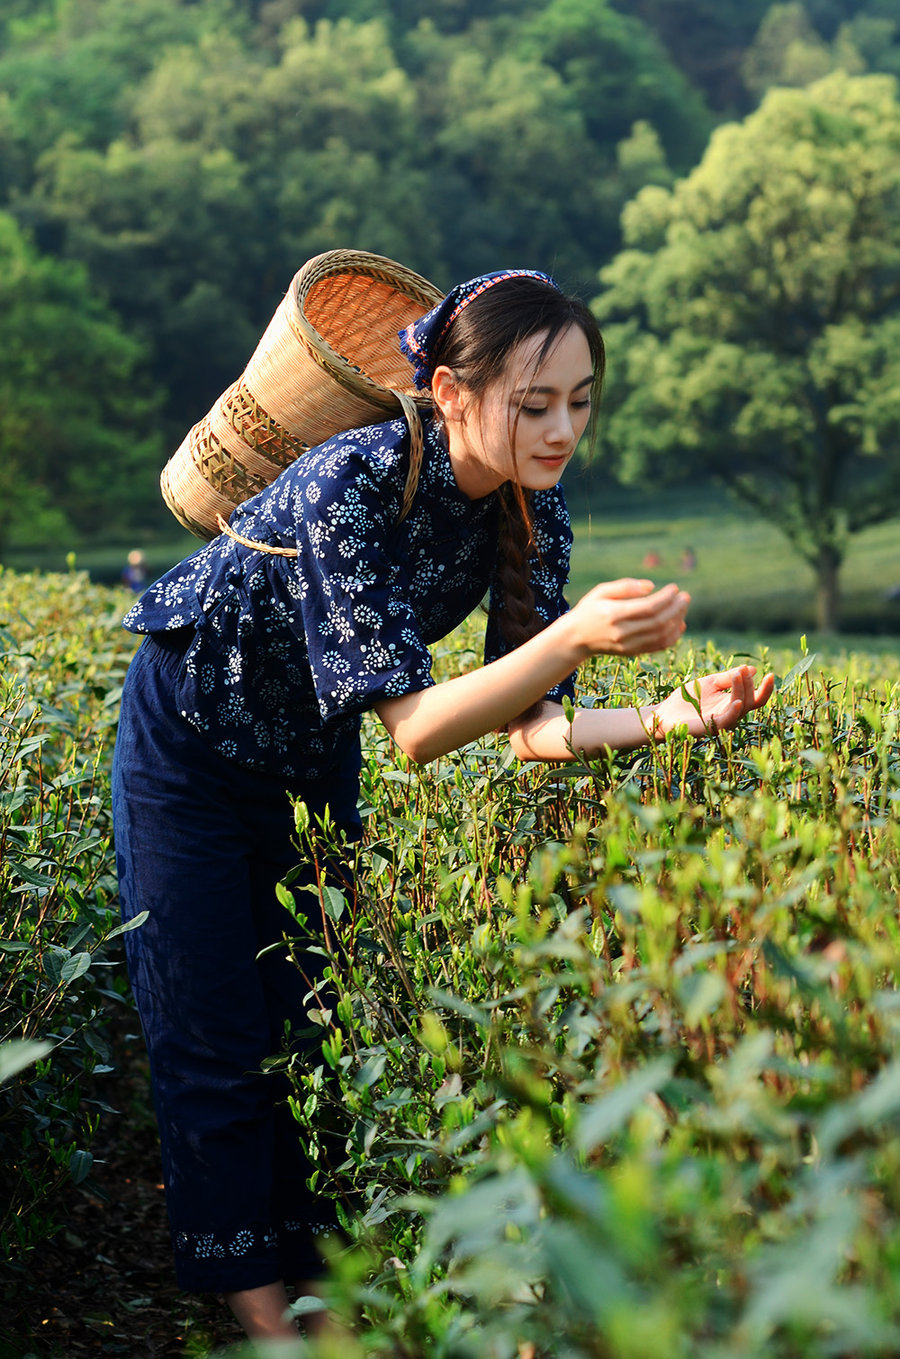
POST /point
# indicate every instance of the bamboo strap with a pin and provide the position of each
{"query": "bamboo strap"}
(416, 452)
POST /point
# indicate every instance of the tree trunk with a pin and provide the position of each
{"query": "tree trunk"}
(827, 568)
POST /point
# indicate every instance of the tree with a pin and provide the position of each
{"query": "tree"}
(515, 172)
(875, 39)
(66, 71)
(618, 72)
(236, 169)
(754, 319)
(705, 38)
(74, 451)
(787, 50)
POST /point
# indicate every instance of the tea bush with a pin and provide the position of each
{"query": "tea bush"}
(609, 1050)
(63, 659)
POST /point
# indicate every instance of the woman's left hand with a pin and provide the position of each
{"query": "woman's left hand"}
(723, 699)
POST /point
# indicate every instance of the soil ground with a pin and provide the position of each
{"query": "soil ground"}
(105, 1283)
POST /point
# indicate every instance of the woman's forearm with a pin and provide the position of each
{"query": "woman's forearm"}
(434, 721)
(621, 618)
(550, 736)
(702, 706)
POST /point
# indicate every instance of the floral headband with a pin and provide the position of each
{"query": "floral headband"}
(420, 338)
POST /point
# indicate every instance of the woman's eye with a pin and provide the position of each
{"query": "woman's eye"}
(534, 410)
(582, 405)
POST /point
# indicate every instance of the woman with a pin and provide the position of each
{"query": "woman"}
(317, 603)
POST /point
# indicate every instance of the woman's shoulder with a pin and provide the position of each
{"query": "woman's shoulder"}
(355, 474)
(377, 451)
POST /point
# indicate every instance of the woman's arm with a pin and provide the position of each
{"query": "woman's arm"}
(618, 618)
(723, 699)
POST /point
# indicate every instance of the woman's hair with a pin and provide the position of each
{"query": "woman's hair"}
(477, 348)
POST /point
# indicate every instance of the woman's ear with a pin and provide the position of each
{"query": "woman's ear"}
(447, 394)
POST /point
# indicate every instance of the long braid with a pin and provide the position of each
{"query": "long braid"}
(517, 618)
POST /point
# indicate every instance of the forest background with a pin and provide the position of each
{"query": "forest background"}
(681, 1124)
(167, 165)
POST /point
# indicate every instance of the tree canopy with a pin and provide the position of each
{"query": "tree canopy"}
(69, 399)
(753, 319)
(183, 158)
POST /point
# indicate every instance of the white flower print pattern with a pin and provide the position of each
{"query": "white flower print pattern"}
(256, 1240)
(283, 654)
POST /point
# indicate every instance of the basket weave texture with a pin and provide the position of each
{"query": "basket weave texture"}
(329, 360)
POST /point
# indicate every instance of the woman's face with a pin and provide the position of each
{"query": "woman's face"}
(528, 423)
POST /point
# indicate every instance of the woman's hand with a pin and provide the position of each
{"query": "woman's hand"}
(629, 618)
(723, 700)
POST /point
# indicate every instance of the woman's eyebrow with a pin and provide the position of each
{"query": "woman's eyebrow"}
(552, 391)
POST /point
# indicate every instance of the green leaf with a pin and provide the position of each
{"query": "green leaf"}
(797, 670)
(878, 1102)
(598, 1122)
(53, 961)
(370, 1071)
(80, 1166)
(131, 924)
(307, 1306)
(33, 878)
(334, 901)
(700, 994)
(74, 967)
(18, 1054)
(476, 1014)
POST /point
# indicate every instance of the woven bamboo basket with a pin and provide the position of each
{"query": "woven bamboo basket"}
(329, 360)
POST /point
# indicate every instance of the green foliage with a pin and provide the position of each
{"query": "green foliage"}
(72, 411)
(192, 156)
(875, 37)
(753, 319)
(62, 664)
(609, 1051)
(706, 38)
(732, 50)
(787, 50)
(618, 72)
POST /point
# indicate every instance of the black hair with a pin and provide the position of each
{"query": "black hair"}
(476, 348)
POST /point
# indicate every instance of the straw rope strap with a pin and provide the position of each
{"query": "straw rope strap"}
(229, 532)
(416, 452)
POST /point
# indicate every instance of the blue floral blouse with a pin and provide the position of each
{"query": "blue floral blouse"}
(287, 652)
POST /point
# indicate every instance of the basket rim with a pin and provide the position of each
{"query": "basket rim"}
(334, 262)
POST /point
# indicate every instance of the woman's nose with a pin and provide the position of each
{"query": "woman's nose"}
(562, 429)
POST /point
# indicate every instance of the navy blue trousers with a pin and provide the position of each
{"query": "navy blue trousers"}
(200, 844)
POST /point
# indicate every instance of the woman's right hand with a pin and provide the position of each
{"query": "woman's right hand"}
(629, 618)
(623, 618)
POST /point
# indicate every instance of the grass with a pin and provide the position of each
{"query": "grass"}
(104, 562)
(748, 587)
(747, 579)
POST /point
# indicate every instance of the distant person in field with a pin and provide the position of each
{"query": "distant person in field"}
(688, 559)
(264, 648)
(652, 560)
(134, 573)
